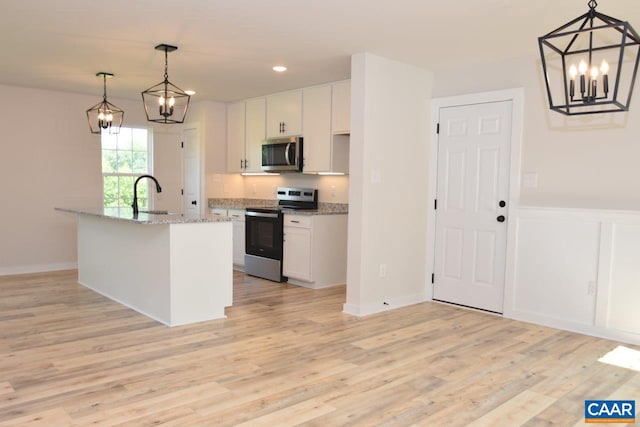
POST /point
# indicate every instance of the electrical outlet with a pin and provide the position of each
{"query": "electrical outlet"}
(383, 270)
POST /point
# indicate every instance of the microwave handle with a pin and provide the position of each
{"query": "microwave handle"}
(286, 154)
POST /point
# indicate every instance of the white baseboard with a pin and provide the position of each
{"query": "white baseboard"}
(390, 304)
(26, 269)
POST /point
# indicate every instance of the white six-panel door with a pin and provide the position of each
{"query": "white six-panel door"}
(473, 179)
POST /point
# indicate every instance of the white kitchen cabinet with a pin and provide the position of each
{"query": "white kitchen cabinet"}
(245, 132)
(315, 250)
(341, 107)
(255, 133)
(238, 222)
(297, 253)
(218, 211)
(284, 114)
(323, 151)
(237, 219)
(235, 137)
(316, 121)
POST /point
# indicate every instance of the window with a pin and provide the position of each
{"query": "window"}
(125, 156)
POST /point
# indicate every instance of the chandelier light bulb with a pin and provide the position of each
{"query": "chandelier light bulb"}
(161, 100)
(604, 67)
(172, 101)
(101, 116)
(594, 72)
(582, 67)
(109, 117)
(573, 71)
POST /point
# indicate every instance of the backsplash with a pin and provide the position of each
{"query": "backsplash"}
(264, 203)
(331, 189)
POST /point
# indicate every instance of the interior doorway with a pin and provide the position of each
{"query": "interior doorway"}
(474, 183)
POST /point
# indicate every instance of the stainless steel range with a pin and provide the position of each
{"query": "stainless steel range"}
(264, 232)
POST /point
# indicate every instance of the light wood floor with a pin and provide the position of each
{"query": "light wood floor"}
(287, 356)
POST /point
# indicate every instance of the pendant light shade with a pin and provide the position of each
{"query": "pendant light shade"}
(104, 116)
(590, 64)
(165, 102)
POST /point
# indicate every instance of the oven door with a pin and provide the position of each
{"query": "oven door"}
(263, 235)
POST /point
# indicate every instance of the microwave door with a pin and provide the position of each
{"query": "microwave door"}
(286, 155)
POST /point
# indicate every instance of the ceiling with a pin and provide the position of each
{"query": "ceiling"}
(226, 48)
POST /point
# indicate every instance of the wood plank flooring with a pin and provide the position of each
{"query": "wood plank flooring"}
(287, 356)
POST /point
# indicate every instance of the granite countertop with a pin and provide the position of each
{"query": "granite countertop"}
(323, 208)
(126, 214)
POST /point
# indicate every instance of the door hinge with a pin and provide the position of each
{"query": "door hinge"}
(438, 128)
(433, 278)
(435, 204)
(182, 144)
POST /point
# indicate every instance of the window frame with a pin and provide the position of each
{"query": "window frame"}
(149, 171)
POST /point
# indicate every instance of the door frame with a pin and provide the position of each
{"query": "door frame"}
(516, 96)
(202, 200)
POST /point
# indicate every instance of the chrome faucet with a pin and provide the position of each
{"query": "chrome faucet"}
(135, 191)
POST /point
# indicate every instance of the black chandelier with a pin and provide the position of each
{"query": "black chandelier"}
(105, 116)
(590, 64)
(165, 102)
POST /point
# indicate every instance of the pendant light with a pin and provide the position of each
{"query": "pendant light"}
(590, 64)
(165, 102)
(105, 116)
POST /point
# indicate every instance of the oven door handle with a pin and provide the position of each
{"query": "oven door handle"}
(286, 154)
(262, 214)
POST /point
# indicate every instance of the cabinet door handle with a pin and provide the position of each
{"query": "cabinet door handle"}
(283, 127)
(295, 222)
(501, 218)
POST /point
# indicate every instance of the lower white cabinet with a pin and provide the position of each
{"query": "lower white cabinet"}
(297, 251)
(237, 219)
(315, 250)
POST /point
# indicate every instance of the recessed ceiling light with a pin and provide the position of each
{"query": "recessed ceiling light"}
(190, 92)
(279, 68)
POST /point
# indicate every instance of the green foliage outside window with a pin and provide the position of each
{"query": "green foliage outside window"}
(124, 158)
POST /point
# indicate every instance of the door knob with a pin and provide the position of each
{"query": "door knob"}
(194, 202)
(501, 218)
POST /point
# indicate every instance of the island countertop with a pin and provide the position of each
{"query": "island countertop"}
(126, 214)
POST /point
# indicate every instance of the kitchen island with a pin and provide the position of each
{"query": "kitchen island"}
(174, 269)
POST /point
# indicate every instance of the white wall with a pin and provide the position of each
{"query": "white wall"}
(587, 161)
(49, 158)
(390, 121)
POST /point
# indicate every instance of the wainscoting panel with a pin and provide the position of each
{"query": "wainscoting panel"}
(577, 270)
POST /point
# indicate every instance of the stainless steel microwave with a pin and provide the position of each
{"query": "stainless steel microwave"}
(282, 155)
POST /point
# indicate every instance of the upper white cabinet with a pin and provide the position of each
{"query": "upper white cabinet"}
(321, 114)
(255, 128)
(324, 149)
(245, 133)
(341, 108)
(316, 120)
(284, 114)
(235, 137)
